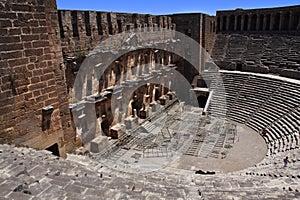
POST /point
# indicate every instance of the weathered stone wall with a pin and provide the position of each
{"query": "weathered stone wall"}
(270, 19)
(209, 32)
(83, 30)
(119, 78)
(34, 105)
(201, 28)
(189, 24)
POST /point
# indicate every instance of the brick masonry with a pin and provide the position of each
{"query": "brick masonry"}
(32, 76)
(83, 30)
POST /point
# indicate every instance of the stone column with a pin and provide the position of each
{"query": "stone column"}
(257, 22)
(162, 89)
(227, 23)
(147, 63)
(242, 22)
(272, 22)
(150, 62)
(137, 63)
(122, 77)
(235, 22)
(128, 68)
(281, 21)
(265, 22)
(221, 23)
(162, 57)
(291, 20)
(157, 61)
(249, 22)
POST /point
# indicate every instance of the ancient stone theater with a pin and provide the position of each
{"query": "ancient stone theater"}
(106, 105)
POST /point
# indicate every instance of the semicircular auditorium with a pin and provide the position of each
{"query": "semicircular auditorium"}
(111, 105)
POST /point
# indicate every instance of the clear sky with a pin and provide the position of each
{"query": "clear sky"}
(170, 6)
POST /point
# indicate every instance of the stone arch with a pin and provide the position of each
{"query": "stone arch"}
(276, 21)
(268, 22)
(246, 19)
(54, 149)
(181, 87)
(261, 22)
(296, 21)
(224, 28)
(286, 21)
(231, 22)
(218, 24)
(253, 22)
(239, 23)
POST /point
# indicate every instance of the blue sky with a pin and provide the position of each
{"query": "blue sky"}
(170, 6)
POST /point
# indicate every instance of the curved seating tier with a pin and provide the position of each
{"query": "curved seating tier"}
(260, 102)
(277, 51)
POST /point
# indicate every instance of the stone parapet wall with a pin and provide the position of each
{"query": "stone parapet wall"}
(84, 30)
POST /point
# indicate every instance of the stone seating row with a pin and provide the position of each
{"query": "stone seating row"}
(276, 50)
(260, 103)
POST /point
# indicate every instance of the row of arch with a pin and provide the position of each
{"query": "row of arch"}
(281, 21)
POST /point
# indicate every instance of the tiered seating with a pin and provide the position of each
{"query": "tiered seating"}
(273, 166)
(30, 174)
(218, 105)
(236, 47)
(278, 106)
(275, 51)
(254, 49)
(225, 89)
(251, 96)
(220, 46)
(262, 102)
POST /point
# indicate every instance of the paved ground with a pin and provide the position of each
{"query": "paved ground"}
(29, 174)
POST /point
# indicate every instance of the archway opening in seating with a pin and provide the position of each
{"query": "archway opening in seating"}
(54, 149)
(231, 22)
(253, 22)
(239, 23)
(261, 22)
(239, 66)
(268, 22)
(295, 21)
(246, 22)
(277, 21)
(224, 28)
(218, 24)
(202, 99)
(286, 21)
